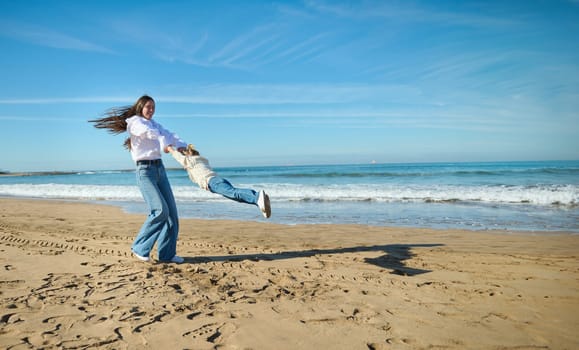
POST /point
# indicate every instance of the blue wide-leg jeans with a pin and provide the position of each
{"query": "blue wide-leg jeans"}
(222, 186)
(162, 223)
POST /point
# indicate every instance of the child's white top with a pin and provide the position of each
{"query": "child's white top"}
(197, 167)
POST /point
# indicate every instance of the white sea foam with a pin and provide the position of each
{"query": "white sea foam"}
(543, 195)
(566, 195)
(87, 192)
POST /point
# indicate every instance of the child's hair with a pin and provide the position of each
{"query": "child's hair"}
(115, 119)
(191, 151)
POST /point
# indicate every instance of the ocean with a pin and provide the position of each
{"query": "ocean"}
(516, 196)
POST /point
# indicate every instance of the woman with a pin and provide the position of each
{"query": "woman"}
(146, 140)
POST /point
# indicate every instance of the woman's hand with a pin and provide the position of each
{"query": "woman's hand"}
(183, 150)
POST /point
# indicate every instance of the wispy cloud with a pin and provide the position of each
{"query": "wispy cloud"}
(241, 94)
(303, 49)
(405, 12)
(202, 47)
(295, 12)
(168, 46)
(65, 100)
(353, 104)
(39, 119)
(178, 51)
(244, 45)
(283, 37)
(47, 37)
(264, 94)
(259, 47)
(336, 118)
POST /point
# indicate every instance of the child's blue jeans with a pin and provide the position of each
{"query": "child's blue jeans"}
(221, 186)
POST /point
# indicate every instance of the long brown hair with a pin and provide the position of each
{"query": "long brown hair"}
(115, 119)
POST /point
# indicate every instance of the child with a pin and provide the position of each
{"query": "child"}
(201, 173)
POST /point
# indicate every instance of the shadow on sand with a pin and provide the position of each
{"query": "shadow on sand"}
(393, 260)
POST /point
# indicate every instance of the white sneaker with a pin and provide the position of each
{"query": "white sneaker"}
(263, 204)
(142, 258)
(177, 260)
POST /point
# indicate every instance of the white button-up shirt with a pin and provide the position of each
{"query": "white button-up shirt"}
(149, 138)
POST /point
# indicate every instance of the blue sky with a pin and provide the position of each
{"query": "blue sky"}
(292, 82)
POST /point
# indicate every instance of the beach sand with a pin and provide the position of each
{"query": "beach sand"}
(68, 281)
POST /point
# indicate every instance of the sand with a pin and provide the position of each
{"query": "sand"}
(68, 281)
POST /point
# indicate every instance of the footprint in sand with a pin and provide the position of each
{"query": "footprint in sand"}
(211, 332)
(206, 331)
